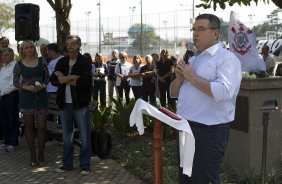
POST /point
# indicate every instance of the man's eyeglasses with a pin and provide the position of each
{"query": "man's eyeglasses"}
(200, 29)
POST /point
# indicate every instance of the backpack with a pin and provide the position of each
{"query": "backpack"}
(101, 143)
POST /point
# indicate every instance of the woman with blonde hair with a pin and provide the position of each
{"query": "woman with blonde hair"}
(30, 77)
(135, 77)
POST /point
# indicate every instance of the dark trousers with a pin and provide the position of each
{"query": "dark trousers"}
(100, 85)
(210, 146)
(165, 94)
(148, 90)
(9, 118)
(126, 88)
(136, 92)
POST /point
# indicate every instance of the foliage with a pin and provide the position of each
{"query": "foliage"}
(224, 30)
(135, 154)
(121, 114)
(272, 24)
(221, 3)
(274, 176)
(108, 38)
(7, 14)
(100, 116)
(150, 39)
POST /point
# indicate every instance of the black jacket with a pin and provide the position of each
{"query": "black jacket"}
(81, 93)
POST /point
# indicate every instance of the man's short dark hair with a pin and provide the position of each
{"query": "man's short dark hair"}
(154, 54)
(214, 20)
(53, 46)
(266, 47)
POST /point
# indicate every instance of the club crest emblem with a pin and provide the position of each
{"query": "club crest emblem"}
(241, 42)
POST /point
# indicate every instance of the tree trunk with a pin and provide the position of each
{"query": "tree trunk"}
(277, 3)
(62, 9)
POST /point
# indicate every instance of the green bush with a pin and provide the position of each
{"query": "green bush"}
(120, 117)
(100, 117)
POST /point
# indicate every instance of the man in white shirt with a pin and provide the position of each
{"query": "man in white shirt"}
(207, 89)
(54, 54)
(9, 112)
(268, 59)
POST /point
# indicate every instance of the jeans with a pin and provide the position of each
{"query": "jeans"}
(100, 85)
(210, 146)
(81, 117)
(9, 118)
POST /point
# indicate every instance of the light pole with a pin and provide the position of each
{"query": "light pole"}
(54, 25)
(193, 13)
(87, 27)
(132, 9)
(251, 19)
(193, 9)
(99, 4)
(141, 35)
(165, 24)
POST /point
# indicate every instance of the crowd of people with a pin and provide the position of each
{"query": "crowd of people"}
(212, 77)
(27, 80)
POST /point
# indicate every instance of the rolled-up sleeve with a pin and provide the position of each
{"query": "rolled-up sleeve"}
(228, 80)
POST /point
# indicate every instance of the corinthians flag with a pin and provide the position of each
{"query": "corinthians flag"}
(242, 42)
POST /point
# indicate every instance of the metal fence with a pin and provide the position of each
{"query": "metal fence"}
(172, 27)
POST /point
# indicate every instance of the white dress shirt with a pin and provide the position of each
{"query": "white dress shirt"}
(6, 79)
(223, 70)
(51, 68)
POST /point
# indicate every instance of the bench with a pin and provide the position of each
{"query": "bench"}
(53, 125)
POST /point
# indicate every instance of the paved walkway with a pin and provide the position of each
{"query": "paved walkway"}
(15, 169)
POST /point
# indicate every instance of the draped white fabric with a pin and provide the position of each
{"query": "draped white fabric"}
(186, 138)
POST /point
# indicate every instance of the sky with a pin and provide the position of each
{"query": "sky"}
(111, 8)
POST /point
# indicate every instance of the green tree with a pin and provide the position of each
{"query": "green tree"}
(214, 3)
(7, 14)
(223, 31)
(108, 39)
(273, 17)
(150, 39)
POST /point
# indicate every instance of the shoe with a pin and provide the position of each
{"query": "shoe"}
(10, 148)
(33, 164)
(3, 146)
(41, 164)
(84, 172)
(61, 170)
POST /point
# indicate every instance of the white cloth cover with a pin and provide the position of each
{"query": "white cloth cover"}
(186, 138)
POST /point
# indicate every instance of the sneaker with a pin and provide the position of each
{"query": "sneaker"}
(61, 170)
(84, 172)
(10, 148)
(3, 146)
